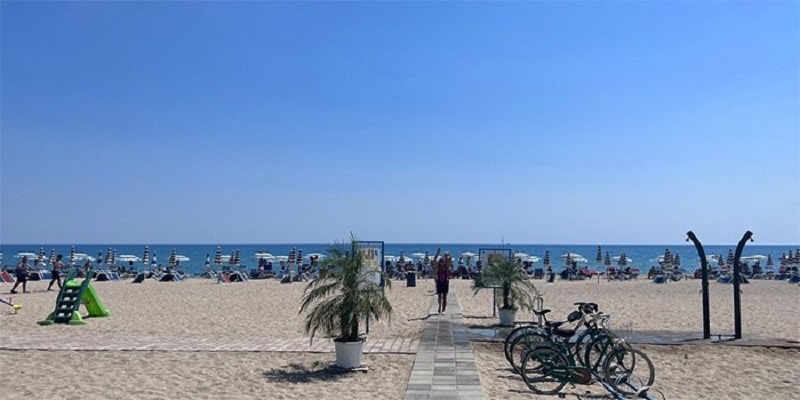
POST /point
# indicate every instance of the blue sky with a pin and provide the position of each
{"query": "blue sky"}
(206, 122)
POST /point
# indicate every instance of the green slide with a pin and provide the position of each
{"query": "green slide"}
(94, 306)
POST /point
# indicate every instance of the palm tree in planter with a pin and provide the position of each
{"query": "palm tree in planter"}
(337, 302)
(514, 290)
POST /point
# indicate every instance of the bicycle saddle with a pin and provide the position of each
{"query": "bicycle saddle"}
(541, 312)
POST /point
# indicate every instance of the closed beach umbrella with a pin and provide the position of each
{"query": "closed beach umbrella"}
(113, 256)
(172, 259)
(292, 254)
(107, 258)
(730, 257)
(146, 256)
(607, 260)
(599, 257)
(218, 256)
(622, 260)
(208, 261)
(769, 260)
(52, 256)
(546, 261)
(41, 256)
(299, 257)
(720, 261)
(677, 260)
(236, 261)
(232, 258)
(72, 255)
(667, 258)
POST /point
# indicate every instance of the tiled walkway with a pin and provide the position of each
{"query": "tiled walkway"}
(444, 367)
(132, 343)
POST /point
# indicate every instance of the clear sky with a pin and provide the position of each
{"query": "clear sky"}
(537, 122)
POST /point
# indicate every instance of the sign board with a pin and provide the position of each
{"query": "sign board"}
(489, 257)
(372, 260)
(493, 256)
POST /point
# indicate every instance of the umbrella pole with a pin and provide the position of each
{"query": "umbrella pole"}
(704, 268)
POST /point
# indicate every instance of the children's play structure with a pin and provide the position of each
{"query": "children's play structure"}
(70, 298)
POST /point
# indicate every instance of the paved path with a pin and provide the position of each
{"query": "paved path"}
(444, 367)
(135, 343)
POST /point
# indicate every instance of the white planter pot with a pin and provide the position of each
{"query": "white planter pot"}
(507, 317)
(348, 354)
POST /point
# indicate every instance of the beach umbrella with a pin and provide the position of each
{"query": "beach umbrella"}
(263, 255)
(146, 256)
(520, 256)
(667, 258)
(218, 256)
(113, 256)
(769, 260)
(622, 260)
(607, 260)
(599, 257)
(72, 255)
(677, 261)
(292, 254)
(128, 258)
(730, 257)
(546, 261)
(172, 259)
(41, 256)
(232, 257)
(52, 259)
(107, 259)
(573, 257)
(720, 259)
(236, 258)
(299, 257)
(208, 261)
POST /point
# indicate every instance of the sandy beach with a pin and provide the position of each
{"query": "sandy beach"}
(768, 307)
(682, 373)
(263, 310)
(203, 308)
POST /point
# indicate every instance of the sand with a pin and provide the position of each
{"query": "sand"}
(106, 375)
(682, 372)
(204, 310)
(769, 308)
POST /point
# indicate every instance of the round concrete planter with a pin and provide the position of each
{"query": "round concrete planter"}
(507, 317)
(348, 354)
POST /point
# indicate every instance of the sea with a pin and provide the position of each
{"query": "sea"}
(642, 256)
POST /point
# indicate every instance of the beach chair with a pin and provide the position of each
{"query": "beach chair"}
(660, 279)
(538, 273)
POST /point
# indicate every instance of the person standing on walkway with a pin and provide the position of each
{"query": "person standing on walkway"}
(21, 272)
(57, 267)
(442, 271)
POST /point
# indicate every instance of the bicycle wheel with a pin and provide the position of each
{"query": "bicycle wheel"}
(628, 370)
(522, 344)
(538, 369)
(515, 333)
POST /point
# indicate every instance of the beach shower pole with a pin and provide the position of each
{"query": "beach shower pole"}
(737, 298)
(704, 268)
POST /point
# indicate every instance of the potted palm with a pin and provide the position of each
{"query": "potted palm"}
(339, 301)
(512, 288)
